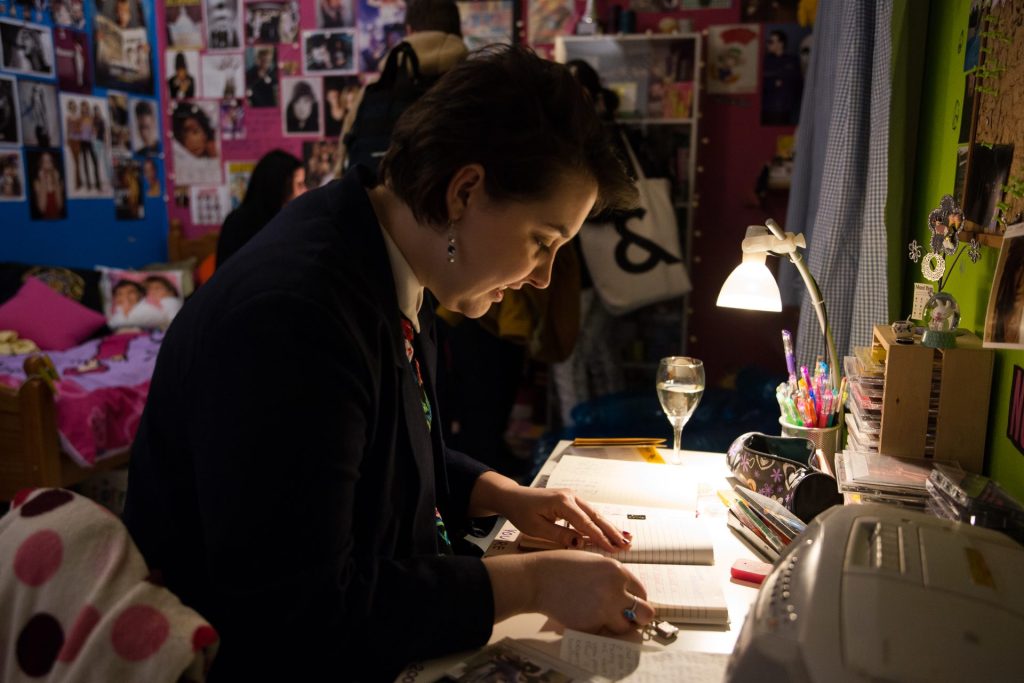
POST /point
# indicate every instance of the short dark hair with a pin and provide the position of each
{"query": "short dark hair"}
(179, 61)
(433, 15)
(129, 284)
(783, 38)
(168, 285)
(526, 120)
(143, 108)
(185, 111)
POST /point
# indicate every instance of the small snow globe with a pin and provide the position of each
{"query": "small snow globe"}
(941, 317)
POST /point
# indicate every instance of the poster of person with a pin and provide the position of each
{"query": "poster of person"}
(196, 145)
(335, 13)
(70, 13)
(782, 79)
(34, 9)
(733, 51)
(184, 24)
(145, 127)
(46, 185)
(301, 96)
(232, 119)
(381, 26)
(120, 132)
(329, 52)
(74, 61)
(486, 22)
(12, 177)
(181, 72)
(237, 174)
(27, 48)
(1004, 316)
(550, 18)
(9, 124)
(271, 21)
(261, 76)
(777, 11)
(223, 24)
(121, 46)
(209, 205)
(128, 204)
(86, 127)
(140, 298)
(339, 96)
(223, 75)
(151, 178)
(319, 158)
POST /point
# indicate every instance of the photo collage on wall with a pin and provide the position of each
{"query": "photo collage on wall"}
(78, 112)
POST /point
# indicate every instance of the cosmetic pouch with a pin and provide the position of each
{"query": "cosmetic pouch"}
(783, 468)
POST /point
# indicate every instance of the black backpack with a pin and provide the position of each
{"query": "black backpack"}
(400, 84)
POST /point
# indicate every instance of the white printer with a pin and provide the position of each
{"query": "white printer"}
(878, 593)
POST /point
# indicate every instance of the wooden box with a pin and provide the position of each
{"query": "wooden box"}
(964, 376)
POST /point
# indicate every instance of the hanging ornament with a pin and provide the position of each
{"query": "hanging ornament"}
(933, 266)
(975, 250)
(944, 223)
(915, 251)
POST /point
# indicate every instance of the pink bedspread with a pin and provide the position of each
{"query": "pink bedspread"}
(102, 390)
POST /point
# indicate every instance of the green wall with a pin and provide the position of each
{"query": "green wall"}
(935, 170)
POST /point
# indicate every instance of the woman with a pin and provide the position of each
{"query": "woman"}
(192, 130)
(303, 112)
(181, 85)
(289, 479)
(149, 173)
(278, 178)
(48, 189)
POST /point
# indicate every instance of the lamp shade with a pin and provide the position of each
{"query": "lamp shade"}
(751, 286)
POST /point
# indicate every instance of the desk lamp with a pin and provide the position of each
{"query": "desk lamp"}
(752, 286)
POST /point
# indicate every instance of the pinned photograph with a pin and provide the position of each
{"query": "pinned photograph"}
(232, 120)
(302, 97)
(209, 205)
(70, 13)
(12, 177)
(74, 62)
(184, 24)
(120, 132)
(1004, 317)
(181, 70)
(329, 52)
(151, 177)
(319, 159)
(27, 48)
(237, 174)
(486, 22)
(261, 76)
(268, 22)
(335, 13)
(196, 146)
(145, 127)
(223, 24)
(40, 123)
(787, 53)
(223, 75)
(733, 52)
(550, 18)
(381, 26)
(122, 46)
(128, 204)
(86, 126)
(46, 185)
(9, 128)
(339, 96)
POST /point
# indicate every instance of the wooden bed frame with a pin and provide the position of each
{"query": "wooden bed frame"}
(30, 453)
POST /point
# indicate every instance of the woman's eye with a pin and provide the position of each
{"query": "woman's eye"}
(543, 245)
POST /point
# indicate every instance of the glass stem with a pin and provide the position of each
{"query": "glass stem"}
(677, 437)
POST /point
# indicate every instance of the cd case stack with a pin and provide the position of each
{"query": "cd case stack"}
(866, 477)
(974, 499)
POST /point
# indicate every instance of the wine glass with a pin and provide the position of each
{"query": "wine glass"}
(680, 386)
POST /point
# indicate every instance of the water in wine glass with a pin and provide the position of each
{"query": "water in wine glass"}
(679, 399)
(680, 385)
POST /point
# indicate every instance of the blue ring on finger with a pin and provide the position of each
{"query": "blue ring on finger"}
(629, 614)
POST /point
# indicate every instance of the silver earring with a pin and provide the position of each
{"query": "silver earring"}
(451, 241)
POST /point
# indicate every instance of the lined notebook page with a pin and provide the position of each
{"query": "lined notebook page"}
(684, 594)
(626, 483)
(660, 535)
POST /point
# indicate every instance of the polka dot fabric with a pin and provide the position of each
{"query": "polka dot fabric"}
(77, 602)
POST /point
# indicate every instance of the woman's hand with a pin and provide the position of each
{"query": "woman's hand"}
(536, 512)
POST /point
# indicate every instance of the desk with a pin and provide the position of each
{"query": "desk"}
(711, 473)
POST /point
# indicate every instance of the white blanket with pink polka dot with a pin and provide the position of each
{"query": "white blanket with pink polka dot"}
(77, 602)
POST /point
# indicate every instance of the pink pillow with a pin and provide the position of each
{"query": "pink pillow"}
(51, 320)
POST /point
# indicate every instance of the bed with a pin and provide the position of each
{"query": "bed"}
(58, 431)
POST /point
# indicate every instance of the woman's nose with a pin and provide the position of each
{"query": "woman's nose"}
(540, 277)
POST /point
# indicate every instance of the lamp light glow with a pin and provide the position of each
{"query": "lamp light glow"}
(751, 286)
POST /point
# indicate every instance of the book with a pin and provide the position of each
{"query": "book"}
(650, 484)
(513, 660)
(684, 594)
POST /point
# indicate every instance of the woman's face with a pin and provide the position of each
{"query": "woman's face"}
(303, 107)
(125, 298)
(46, 162)
(194, 137)
(149, 170)
(298, 183)
(507, 244)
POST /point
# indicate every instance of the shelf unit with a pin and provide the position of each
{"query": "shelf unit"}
(653, 75)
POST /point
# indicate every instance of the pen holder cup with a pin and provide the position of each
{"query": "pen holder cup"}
(825, 438)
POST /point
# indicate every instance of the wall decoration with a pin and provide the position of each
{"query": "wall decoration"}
(12, 176)
(151, 176)
(181, 70)
(120, 133)
(319, 159)
(271, 21)
(223, 75)
(301, 97)
(121, 46)
(74, 62)
(46, 184)
(329, 51)
(184, 21)
(486, 22)
(145, 129)
(27, 48)
(232, 120)
(237, 173)
(9, 124)
(223, 24)
(70, 13)
(86, 127)
(1004, 317)
(339, 96)
(261, 76)
(196, 146)
(732, 58)
(210, 205)
(549, 18)
(128, 204)
(381, 26)
(989, 172)
(787, 52)
(335, 13)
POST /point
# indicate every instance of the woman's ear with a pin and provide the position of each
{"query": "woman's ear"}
(467, 182)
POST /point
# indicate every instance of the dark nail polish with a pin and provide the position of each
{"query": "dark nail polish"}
(575, 542)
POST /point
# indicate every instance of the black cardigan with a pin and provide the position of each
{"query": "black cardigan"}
(283, 479)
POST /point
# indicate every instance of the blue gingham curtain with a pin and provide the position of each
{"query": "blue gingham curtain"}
(839, 180)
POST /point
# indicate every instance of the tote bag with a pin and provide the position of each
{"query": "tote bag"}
(635, 260)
